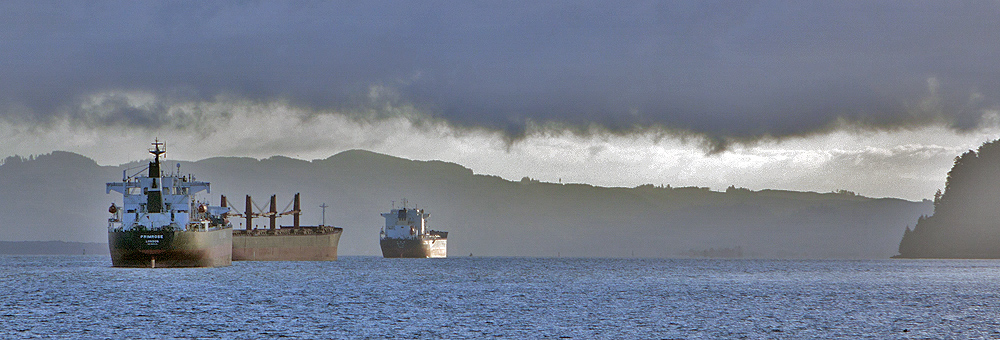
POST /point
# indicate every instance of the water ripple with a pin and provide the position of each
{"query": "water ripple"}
(76, 297)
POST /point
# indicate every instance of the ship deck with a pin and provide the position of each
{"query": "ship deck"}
(302, 230)
(287, 244)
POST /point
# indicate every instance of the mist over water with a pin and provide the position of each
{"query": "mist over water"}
(370, 297)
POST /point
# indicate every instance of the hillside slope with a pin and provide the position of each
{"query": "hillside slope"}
(61, 197)
(966, 219)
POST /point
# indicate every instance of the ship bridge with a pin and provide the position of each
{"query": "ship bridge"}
(405, 223)
(153, 200)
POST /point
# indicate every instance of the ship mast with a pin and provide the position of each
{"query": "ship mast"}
(274, 212)
(296, 211)
(154, 198)
(324, 212)
(156, 151)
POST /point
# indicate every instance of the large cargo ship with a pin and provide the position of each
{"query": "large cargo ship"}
(287, 243)
(162, 224)
(405, 234)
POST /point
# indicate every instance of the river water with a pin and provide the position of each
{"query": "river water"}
(78, 297)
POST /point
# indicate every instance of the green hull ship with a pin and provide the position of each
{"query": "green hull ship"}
(151, 249)
(161, 224)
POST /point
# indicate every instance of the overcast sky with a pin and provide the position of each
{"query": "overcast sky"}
(874, 97)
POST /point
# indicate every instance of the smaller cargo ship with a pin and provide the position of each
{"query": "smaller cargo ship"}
(287, 243)
(161, 224)
(405, 234)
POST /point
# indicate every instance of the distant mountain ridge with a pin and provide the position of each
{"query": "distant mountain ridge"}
(61, 196)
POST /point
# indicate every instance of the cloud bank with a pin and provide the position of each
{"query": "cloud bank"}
(728, 72)
(908, 164)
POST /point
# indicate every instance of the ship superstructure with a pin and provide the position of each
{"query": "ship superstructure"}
(406, 234)
(162, 224)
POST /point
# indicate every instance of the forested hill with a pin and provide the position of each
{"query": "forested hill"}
(61, 196)
(966, 219)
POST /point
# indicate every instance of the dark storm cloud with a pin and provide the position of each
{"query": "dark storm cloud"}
(732, 71)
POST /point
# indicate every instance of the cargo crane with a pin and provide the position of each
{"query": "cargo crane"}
(253, 210)
(282, 243)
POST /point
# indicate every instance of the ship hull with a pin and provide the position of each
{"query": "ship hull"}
(306, 244)
(414, 248)
(168, 249)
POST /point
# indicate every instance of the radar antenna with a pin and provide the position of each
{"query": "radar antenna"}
(156, 151)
